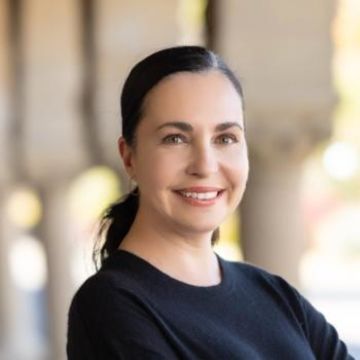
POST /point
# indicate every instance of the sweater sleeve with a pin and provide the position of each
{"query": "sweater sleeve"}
(321, 335)
(106, 323)
(79, 345)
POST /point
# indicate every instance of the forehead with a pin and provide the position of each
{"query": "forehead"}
(193, 97)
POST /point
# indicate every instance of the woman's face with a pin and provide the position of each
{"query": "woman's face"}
(190, 159)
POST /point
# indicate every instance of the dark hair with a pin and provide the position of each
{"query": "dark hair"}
(119, 217)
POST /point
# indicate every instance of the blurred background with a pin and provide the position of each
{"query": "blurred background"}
(62, 65)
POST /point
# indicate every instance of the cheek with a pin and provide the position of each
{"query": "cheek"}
(158, 170)
(236, 164)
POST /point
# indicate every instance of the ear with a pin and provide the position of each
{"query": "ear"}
(126, 153)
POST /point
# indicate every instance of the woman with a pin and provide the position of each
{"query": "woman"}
(162, 292)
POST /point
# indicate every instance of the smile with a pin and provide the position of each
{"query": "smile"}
(200, 195)
(200, 198)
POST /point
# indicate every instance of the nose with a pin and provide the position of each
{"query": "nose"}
(203, 161)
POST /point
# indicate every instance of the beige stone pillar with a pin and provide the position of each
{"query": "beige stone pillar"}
(126, 31)
(55, 150)
(4, 91)
(282, 52)
(272, 227)
(60, 247)
(4, 82)
(7, 291)
(53, 69)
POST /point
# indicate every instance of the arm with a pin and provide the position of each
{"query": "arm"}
(321, 335)
(79, 345)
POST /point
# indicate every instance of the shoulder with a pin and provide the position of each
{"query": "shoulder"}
(103, 286)
(97, 286)
(279, 291)
(268, 287)
(321, 335)
(116, 275)
(107, 302)
(108, 318)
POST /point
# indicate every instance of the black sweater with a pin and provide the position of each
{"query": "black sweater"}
(131, 310)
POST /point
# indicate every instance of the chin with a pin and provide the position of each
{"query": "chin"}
(201, 230)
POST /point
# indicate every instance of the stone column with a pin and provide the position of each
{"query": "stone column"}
(8, 335)
(60, 249)
(272, 230)
(5, 89)
(55, 148)
(53, 87)
(282, 52)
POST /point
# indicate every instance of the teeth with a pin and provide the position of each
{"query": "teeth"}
(200, 196)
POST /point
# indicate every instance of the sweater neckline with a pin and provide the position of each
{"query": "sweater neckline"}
(150, 271)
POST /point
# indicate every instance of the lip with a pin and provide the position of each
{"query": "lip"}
(200, 203)
(201, 189)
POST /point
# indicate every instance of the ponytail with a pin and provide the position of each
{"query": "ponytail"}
(114, 225)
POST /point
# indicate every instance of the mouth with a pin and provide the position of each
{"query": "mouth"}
(200, 198)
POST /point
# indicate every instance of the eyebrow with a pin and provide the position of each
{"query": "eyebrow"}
(186, 127)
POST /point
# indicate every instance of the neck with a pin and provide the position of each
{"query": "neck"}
(184, 256)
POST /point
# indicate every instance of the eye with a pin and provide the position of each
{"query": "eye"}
(227, 139)
(174, 139)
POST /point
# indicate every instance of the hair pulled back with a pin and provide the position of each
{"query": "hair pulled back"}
(119, 217)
